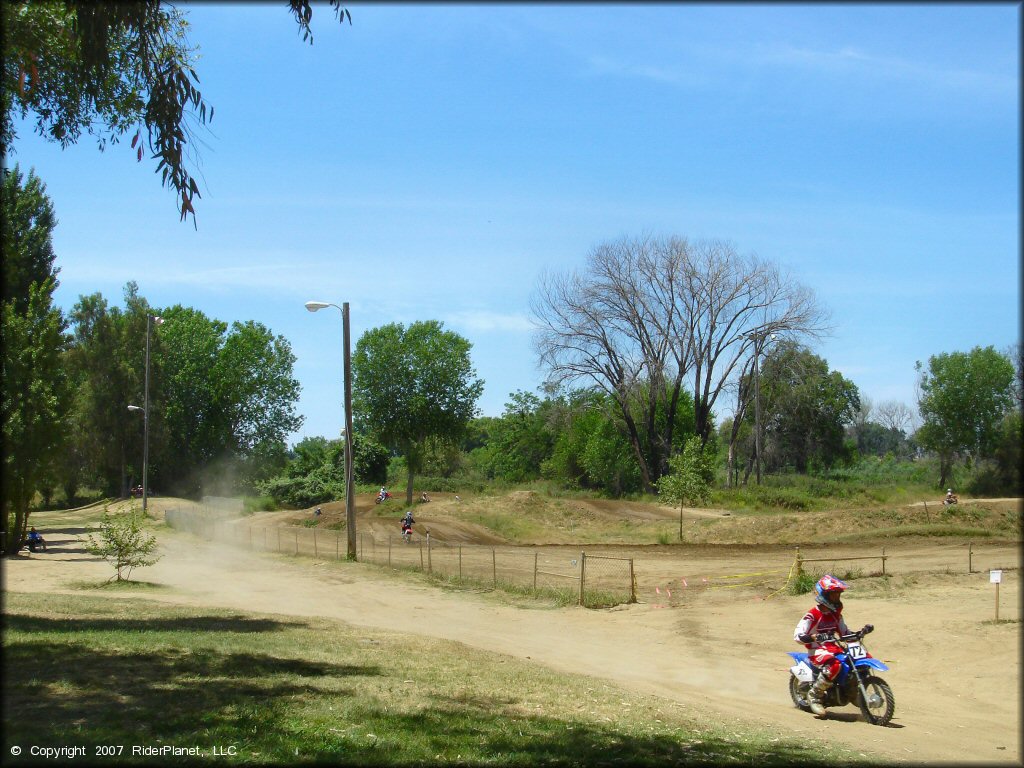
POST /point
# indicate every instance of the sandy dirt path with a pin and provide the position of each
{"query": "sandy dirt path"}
(955, 673)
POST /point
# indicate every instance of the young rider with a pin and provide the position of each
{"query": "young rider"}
(818, 625)
(35, 539)
(407, 522)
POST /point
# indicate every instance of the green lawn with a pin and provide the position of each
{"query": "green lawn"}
(124, 671)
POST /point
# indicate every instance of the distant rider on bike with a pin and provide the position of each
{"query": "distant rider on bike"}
(824, 619)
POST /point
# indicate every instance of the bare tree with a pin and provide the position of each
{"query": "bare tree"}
(892, 414)
(614, 324)
(645, 313)
(733, 303)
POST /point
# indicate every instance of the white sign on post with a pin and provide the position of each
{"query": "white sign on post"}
(995, 577)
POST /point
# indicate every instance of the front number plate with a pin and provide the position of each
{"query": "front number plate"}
(856, 651)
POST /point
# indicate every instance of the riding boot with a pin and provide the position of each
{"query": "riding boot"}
(817, 693)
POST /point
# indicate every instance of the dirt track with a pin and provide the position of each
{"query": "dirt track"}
(955, 673)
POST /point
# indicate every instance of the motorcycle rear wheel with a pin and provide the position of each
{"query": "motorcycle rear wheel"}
(880, 705)
(798, 692)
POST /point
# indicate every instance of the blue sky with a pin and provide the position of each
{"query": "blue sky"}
(429, 162)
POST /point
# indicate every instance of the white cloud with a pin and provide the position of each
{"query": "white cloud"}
(486, 320)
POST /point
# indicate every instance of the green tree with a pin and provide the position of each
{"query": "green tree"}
(32, 336)
(107, 361)
(964, 397)
(228, 403)
(413, 387)
(108, 68)
(520, 441)
(692, 472)
(805, 409)
(591, 449)
(122, 542)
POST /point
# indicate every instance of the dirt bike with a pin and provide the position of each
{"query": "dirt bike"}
(382, 497)
(34, 545)
(406, 533)
(855, 683)
(950, 500)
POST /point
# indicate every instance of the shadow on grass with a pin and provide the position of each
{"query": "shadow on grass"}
(40, 624)
(53, 690)
(69, 680)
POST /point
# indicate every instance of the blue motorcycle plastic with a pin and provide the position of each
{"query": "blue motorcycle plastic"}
(856, 682)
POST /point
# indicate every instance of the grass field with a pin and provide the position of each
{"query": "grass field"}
(124, 671)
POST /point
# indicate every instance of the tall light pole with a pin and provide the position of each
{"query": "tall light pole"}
(758, 338)
(150, 319)
(350, 508)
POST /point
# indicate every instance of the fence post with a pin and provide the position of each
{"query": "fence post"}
(883, 561)
(494, 566)
(970, 556)
(460, 563)
(421, 556)
(927, 517)
(583, 570)
(632, 582)
(535, 571)
(430, 563)
(799, 564)
(315, 553)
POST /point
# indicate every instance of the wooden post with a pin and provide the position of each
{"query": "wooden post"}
(494, 566)
(883, 561)
(389, 550)
(927, 517)
(430, 563)
(583, 569)
(460, 563)
(970, 556)
(632, 582)
(997, 602)
(799, 563)
(315, 553)
(535, 571)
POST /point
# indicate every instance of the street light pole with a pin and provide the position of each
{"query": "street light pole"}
(150, 319)
(145, 424)
(350, 515)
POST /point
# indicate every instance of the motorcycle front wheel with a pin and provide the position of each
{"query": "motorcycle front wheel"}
(880, 704)
(798, 692)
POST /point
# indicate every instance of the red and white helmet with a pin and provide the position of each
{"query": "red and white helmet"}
(828, 591)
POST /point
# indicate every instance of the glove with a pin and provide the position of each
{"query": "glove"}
(868, 628)
(805, 638)
(821, 637)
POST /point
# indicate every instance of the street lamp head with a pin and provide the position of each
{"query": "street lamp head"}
(313, 306)
(135, 408)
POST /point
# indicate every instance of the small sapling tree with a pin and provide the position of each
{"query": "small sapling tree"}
(123, 543)
(689, 478)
